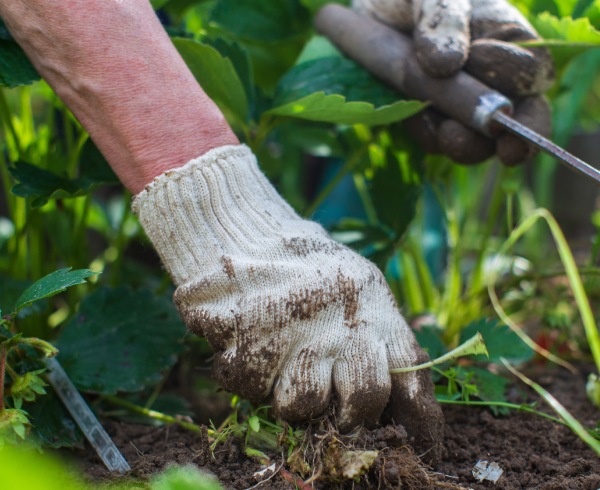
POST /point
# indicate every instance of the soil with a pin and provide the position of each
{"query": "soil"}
(533, 452)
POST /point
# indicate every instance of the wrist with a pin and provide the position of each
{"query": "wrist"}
(215, 206)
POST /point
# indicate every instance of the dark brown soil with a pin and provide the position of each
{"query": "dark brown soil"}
(534, 453)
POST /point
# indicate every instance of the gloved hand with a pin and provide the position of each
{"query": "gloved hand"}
(476, 35)
(289, 312)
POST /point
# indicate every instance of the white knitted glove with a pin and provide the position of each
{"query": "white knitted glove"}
(288, 311)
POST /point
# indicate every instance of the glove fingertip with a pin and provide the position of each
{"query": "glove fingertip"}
(441, 56)
(413, 405)
(463, 145)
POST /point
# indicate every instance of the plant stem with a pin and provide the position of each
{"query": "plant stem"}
(581, 299)
(514, 406)
(3, 354)
(153, 414)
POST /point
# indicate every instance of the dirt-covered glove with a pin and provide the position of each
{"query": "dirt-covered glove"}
(290, 313)
(479, 36)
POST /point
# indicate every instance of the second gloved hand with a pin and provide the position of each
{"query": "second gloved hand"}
(478, 36)
(289, 312)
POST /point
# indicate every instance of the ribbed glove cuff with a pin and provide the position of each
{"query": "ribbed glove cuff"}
(214, 205)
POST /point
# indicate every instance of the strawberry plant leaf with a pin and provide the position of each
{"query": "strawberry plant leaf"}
(315, 5)
(52, 424)
(121, 340)
(335, 109)
(490, 386)
(217, 76)
(54, 283)
(10, 290)
(500, 340)
(331, 74)
(395, 190)
(262, 21)
(566, 37)
(94, 170)
(15, 67)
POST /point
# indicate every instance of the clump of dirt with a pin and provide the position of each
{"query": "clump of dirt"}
(533, 452)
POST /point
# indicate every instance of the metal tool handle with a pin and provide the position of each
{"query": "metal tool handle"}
(390, 55)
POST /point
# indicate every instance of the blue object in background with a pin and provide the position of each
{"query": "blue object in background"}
(344, 202)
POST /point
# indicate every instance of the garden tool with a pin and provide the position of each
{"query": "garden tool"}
(389, 55)
(85, 419)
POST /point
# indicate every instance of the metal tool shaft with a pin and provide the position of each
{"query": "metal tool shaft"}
(85, 419)
(390, 56)
(544, 144)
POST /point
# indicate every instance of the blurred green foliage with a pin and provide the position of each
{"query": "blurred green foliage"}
(300, 105)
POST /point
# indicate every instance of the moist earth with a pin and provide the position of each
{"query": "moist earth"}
(534, 453)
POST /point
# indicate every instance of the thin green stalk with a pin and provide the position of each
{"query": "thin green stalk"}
(265, 127)
(81, 211)
(562, 412)
(566, 256)
(429, 289)
(27, 122)
(20, 240)
(3, 355)
(514, 406)
(5, 115)
(367, 202)
(451, 298)
(493, 211)
(510, 198)
(411, 287)
(153, 414)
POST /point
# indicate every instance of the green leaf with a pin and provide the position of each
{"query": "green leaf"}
(429, 338)
(32, 470)
(593, 13)
(395, 190)
(15, 68)
(371, 241)
(10, 290)
(500, 341)
(40, 185)
(216, 75)
(52, 424)
(254, 423)
(120, 340)
(184, 478)
(565, 7)
(52, 284)
(331, 74)
(315, 5)
(94, 170)
(156, 4)
(334, 109)
(258, 20)
(566, 37)
(242, 63)
(490, 386)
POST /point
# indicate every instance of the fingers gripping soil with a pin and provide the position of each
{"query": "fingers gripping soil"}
(337, 333)
(288, 311)
(413, 405)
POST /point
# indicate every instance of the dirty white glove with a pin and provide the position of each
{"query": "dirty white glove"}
(288, 311)
(478, 35)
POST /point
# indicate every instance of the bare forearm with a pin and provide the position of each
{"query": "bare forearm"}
(114, 66)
